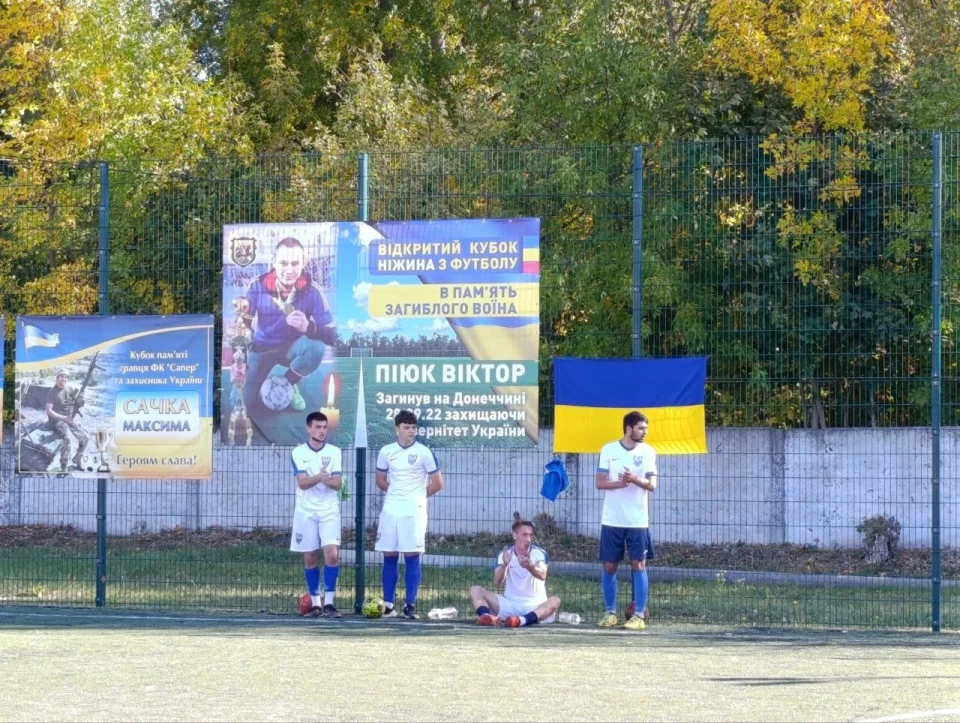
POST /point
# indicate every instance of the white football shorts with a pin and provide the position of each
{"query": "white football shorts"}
(311, 529)
(518, 607)
(402, 533)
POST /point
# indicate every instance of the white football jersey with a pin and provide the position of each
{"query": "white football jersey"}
(519, 584)
(408, 472)
(328, 459)
(626, 507)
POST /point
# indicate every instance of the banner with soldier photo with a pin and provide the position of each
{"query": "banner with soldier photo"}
(359, 321)
(126, 397)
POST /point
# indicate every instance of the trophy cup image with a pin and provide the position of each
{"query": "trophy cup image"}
(103, 439)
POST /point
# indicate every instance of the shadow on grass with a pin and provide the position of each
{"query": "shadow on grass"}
(906, 646)
(765, 682)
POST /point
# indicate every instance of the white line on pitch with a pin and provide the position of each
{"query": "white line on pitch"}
(917, 715)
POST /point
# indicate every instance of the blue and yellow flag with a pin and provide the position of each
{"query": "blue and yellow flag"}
(35, 336)
(591, 397)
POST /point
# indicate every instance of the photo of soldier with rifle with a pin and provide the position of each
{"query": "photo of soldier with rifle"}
(62, 405)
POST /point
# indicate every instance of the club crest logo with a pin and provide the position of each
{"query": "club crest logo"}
(325, 462)
(299, 537)
(243, 250)
(411, 458)
(637, 460)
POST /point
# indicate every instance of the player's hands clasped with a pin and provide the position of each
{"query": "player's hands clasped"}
(299, 321)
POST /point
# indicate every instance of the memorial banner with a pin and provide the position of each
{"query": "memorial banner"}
(359, 321)
(121, 397)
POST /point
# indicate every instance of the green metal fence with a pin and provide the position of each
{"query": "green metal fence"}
(820, 275)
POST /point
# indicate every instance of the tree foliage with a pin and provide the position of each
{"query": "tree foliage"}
(799, 261)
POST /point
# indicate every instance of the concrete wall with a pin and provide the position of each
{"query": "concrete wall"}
(755, 486)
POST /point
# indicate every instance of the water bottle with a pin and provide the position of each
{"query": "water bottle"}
(570, 618)
(442, 614)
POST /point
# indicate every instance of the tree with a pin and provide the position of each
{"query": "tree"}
(600, 71)
(822, 56)
(92, 79)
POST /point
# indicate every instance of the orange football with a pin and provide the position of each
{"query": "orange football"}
(306, 603)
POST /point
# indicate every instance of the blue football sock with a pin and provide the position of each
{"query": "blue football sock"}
(640, 587)
(312, 576)
(391, 573)
(330, 574)
(483, 610)
(411, 577)
(608, 583)
(530, 618)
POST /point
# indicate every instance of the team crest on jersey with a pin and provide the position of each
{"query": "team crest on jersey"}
(243, 251)
(411, 458)
(637, 460)
(325, 461)
(299, 537)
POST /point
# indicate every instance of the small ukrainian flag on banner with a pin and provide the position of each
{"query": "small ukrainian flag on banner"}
(591, 397)
(32, 336)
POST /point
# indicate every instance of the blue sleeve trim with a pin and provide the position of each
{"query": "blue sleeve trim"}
(295, 470)
(336, 474)
(382, 469)
(601, 469)
(433, 455)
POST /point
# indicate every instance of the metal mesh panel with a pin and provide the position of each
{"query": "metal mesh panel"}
(582, 197)
(801, 267)
(950, 408)
(48, 227)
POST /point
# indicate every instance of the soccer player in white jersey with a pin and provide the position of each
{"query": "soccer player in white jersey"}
(318, 468)
(522, 571)
(408, 472)
(627, 474)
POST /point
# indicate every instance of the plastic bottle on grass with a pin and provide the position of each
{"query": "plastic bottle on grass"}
(442, 614)
(569, 618)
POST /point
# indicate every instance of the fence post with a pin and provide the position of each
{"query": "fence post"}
(104, 262)
(360, 563)
(636, 335)
(935, 379)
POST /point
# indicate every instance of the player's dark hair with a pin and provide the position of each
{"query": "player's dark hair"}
(523, 523)
(405, 416)
(316, 417)
(288, 243)
(632, 419)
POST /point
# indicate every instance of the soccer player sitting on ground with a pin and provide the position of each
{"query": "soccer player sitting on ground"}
(318, 467)
(522, 571)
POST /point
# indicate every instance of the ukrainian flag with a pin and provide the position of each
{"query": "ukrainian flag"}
(591, 397)
(32, 336)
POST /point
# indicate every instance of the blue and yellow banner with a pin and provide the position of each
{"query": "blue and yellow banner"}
(360, 321)
(125, 397)
(591, 397)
